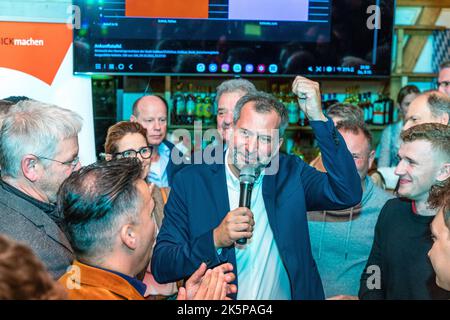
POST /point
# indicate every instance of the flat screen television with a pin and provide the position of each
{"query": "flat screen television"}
(334, 38)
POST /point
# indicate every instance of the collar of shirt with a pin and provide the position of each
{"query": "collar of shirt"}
(235, 183)
(158, 174)
(137, 284)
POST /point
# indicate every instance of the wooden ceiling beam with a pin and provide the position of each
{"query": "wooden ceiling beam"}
(424, 3)
(416, 43)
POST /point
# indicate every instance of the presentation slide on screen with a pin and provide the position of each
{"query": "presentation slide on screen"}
(280, 10)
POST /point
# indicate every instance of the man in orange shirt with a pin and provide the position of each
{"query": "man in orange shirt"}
(108, 217)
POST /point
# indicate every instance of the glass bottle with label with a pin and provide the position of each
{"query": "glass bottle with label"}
(190, 104)
(378, 111)
(293, 110)
(207, 108)
(178, 105)
(199, 103)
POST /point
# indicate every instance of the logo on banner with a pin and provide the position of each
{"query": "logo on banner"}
(33, 47)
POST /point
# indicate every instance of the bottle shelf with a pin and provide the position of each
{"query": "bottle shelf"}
(289, 128)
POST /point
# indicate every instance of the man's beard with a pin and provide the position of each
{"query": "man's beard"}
(259, 163)
(50, 188)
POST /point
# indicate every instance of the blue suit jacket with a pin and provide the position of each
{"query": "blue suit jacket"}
(172, 168)
(199, 201)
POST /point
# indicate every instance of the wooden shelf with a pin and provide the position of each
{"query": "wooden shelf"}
(419, 28)
(414, 75)
(289, 128)
(191, 126)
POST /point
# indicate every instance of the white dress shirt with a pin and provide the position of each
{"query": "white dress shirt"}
(158, 172)
(261, 273)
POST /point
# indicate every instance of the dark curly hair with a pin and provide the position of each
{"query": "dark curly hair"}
(23, 276)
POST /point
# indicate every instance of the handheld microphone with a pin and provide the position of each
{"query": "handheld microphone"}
(247, 178)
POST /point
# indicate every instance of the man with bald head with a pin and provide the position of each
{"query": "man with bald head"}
(429, 107)
(150, 111)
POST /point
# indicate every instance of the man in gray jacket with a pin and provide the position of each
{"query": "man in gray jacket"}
(341, 240)
(38, 150)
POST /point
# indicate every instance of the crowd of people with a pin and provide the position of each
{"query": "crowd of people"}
(139, 225)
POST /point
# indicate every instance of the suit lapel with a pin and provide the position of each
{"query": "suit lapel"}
(40, 219)
(220, 186)
(269, 195)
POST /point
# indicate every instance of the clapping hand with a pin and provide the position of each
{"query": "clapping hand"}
(211, 284)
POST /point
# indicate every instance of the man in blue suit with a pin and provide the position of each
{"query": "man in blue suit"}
(203, 219)
(151, 112)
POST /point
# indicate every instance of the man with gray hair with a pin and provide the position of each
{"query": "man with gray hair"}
(38, 150)
(228, 94)
(5, 105)
(272, 256)
(429, 107)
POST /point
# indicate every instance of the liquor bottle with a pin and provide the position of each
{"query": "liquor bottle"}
(178, 105)
(363, 106)
(208, 107)
(370, 108)
(200, 97)
(275, 89)
(388, 110)
(282, 94)
(214, 104)
(378, 111)
(292, 109)
(190, 104)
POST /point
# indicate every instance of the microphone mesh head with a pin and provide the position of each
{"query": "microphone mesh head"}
(247, 175)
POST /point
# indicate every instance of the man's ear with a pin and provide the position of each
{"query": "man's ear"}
(128, 236)
(371, 158)
(445, 118)
(133, 118)
(29, 167)
(108, 157)
(280, 143)
(444, 172)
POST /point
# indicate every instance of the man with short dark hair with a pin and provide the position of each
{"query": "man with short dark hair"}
(341, 240)
(203, 219)
(444, 78)
(428, 107)
(108, 216)
(151, 113)
(345, 112)
(398, 266)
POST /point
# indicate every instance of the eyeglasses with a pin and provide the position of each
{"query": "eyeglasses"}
(145, 152)
(443, 84)
(73, 163)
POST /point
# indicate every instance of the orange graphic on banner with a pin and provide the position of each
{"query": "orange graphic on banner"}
(193, 9)
(34, 48)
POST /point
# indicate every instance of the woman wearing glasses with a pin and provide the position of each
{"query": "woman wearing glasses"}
(128, 140)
